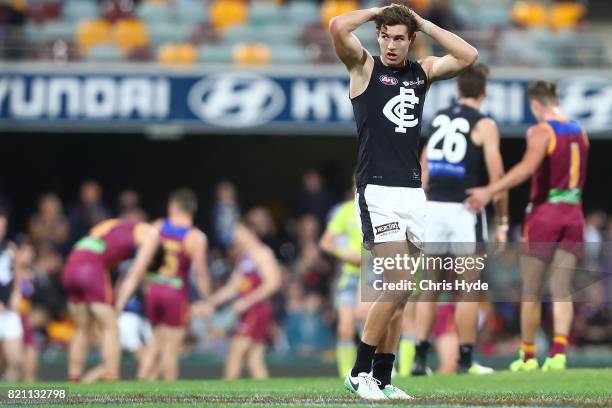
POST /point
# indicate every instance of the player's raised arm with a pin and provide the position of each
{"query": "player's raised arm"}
(460, 53)
(347, 45)
(537, 144)
(147, 239)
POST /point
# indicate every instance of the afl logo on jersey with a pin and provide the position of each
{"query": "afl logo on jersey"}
(388, 80)
(236, 100)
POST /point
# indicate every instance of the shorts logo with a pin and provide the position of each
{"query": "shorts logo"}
(388, 80)
(387, 228)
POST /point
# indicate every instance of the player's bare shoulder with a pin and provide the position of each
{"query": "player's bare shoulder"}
(263, 255)
(196, 239)
(485, 131)
(360, 75)
(539, 131)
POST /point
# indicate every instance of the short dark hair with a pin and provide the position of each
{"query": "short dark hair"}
(396, 14)
(186, 200)
(472, 81)
(544, 92)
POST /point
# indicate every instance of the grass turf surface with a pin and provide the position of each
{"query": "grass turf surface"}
(578, 388)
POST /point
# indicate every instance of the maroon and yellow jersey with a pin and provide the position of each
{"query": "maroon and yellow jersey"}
(113, 241)
(561, 176)
(250, 277)
(177, 260)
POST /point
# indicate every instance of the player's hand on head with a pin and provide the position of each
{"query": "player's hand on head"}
(420, 20)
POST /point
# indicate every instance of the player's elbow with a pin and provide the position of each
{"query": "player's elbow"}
(337, 28)
(334, 26)
(471, 57)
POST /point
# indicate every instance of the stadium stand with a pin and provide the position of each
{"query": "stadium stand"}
(559, 27)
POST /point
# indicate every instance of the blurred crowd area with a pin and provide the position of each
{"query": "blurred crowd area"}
(304, 316)
(534, 33)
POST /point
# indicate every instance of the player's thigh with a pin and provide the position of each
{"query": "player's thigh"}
(562, 270)
(257, 353)
(173, 337)
(105, 315)
(238, 346)
(533, 273)
(13, 350)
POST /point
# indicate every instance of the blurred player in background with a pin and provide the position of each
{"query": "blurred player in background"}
(342, 239)
(23, 268)
(388, 94)
(255, 278)
(135, 332)
(87, 282)
(462, 140)
(167, 291)
(556, 159)
(11, 330)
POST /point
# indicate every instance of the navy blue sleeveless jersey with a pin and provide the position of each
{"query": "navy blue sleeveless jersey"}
(388, 115)
(455, 163)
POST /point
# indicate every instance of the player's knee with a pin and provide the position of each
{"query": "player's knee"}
(397, 297)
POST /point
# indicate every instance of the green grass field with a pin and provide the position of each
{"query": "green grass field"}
(578, 388)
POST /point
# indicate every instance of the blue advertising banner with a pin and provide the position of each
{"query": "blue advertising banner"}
(252, 102)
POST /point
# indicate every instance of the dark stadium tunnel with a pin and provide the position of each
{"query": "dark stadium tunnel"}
(266, 169)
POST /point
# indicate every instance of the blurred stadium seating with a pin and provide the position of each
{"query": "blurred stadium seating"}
(131, 29)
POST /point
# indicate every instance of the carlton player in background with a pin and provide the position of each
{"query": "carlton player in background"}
(87, 282)
(463, 142)
(167, 291)
(556, 158)
(388, 93)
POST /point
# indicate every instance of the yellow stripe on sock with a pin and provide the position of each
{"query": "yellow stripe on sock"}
(528, 348)
(560, 339)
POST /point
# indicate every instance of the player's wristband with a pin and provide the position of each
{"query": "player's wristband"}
(427, 27)
(503, 227)
(503, 219)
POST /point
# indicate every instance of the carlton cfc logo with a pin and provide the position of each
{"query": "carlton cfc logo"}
(398, 110)
(388, 80)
